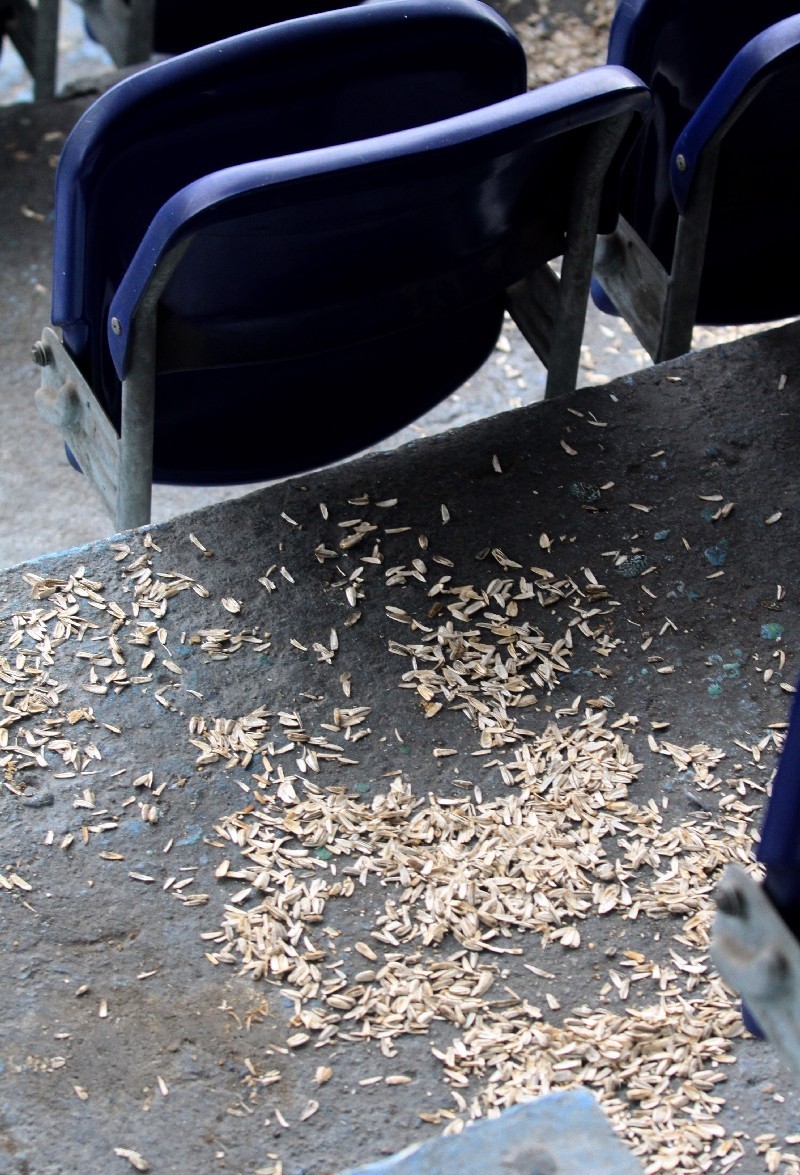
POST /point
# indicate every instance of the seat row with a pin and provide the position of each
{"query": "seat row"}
(276, 249)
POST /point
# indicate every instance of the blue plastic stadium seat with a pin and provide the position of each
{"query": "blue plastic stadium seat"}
(277, 250)
(709, 231)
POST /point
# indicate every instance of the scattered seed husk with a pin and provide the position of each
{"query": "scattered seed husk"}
(134, 1158)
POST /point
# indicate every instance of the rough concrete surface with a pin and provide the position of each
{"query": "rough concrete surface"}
(116, 1029)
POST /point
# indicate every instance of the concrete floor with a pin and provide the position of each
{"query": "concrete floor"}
(122, 1032)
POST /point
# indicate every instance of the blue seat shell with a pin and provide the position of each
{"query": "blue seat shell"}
(725, 79)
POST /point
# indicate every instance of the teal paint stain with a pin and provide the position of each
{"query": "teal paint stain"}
(771, 631)
(632, 566)
(717, 555)
(723, 670)
(584, 492)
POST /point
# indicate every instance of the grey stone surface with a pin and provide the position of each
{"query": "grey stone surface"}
(723, 421)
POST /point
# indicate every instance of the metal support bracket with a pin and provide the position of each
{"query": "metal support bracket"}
(756, 953)
(635, 281)
(33, 27)
(533, 303)
(124, 30)
(118, 464)
(549, 311)
(65, 400)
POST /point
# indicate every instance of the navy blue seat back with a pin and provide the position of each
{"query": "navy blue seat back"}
(680, 48)
(387, 284)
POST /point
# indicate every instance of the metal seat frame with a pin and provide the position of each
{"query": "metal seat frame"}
(660, 300)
